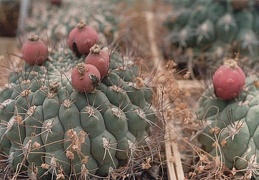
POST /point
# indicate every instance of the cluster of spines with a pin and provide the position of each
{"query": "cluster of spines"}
(40, 102)
(57, 21)
(213, 29)
(229, 111)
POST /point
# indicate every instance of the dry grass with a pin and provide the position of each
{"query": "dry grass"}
(10, 57)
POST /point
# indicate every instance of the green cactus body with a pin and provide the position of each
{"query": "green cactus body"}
(56, 22)
(184, 37)
(203, 24)
(55, 131)
(231, 127)
(216, 10)
(7, 109)
(6, 92)
(226, 28)
(50, 107)
(136, 94)
(103, 148)
(5, 142)
(33, 120)
(198, 15)
(16, 156)
(249, 42)
(119, 97)
(137, 122)
(92, 121)
(33, 146)
(182, 17)
(15, 130)
(99, 100)
(205, 33)
(78, 150)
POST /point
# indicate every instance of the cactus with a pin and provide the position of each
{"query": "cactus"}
(55, 22)
(231, 127)
(213, 29)
(49, 129)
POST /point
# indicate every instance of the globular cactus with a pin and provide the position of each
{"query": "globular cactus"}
(57, 21)
(49, 129)
(213, 29)
(232, 127)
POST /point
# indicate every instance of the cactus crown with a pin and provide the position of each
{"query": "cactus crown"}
(65, 133)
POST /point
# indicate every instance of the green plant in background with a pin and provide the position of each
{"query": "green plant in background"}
(49, 129)
(230, 117)
(212, 29)
(55, 22)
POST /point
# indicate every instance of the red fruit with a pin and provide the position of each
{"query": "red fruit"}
(228, 80)
(85, 77)
(34, 51)
(99, 58)
(82, 38)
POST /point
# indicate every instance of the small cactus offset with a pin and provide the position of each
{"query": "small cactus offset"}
(213, 29)
(231, 123)
(68, 117)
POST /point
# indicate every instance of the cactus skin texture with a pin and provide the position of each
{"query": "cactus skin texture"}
(55, 22)
(213, 29)
(51, 130)
(232, 127)
(228, 80)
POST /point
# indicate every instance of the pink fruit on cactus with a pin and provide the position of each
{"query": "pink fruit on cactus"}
(34, 51)
(228, 80)
(82, 38)
(99, 58)
(85, 77)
